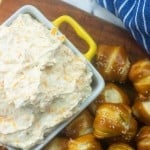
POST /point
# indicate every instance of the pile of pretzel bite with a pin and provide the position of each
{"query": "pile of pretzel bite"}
(119, 118)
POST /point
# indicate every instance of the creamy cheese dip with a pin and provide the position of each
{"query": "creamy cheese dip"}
(42, 82)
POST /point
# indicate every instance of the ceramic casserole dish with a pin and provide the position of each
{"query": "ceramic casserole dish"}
(97, 80)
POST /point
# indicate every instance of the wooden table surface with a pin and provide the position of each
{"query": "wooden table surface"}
(101, 31)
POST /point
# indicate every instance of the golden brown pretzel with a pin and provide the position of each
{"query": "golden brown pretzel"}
(58, 143)
(85, 142)
(113, 120)
(112, 62)
(139, 74)
(82, 125)
(111, 94)
(143, 138)
(141, 109)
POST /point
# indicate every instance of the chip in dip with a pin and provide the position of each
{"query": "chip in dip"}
(42, 82)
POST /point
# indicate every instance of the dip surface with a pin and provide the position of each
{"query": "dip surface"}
(42, 82)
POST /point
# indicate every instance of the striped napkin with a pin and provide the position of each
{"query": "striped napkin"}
(135, 15)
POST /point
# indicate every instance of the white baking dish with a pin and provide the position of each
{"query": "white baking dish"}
(97, 83)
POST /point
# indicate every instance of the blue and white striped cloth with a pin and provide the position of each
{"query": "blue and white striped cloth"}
(135, 15)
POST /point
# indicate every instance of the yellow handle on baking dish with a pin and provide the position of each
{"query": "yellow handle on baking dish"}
(80, 32)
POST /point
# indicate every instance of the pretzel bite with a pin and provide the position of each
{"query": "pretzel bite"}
(120, 146)
(141, 109)
(111, 94)
(114, 120)
(82, 125)
(143, 138)
(139, 74)
(58, 143)
(113, 63)
(85, 142)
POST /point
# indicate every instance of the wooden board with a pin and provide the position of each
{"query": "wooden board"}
(101, 31)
